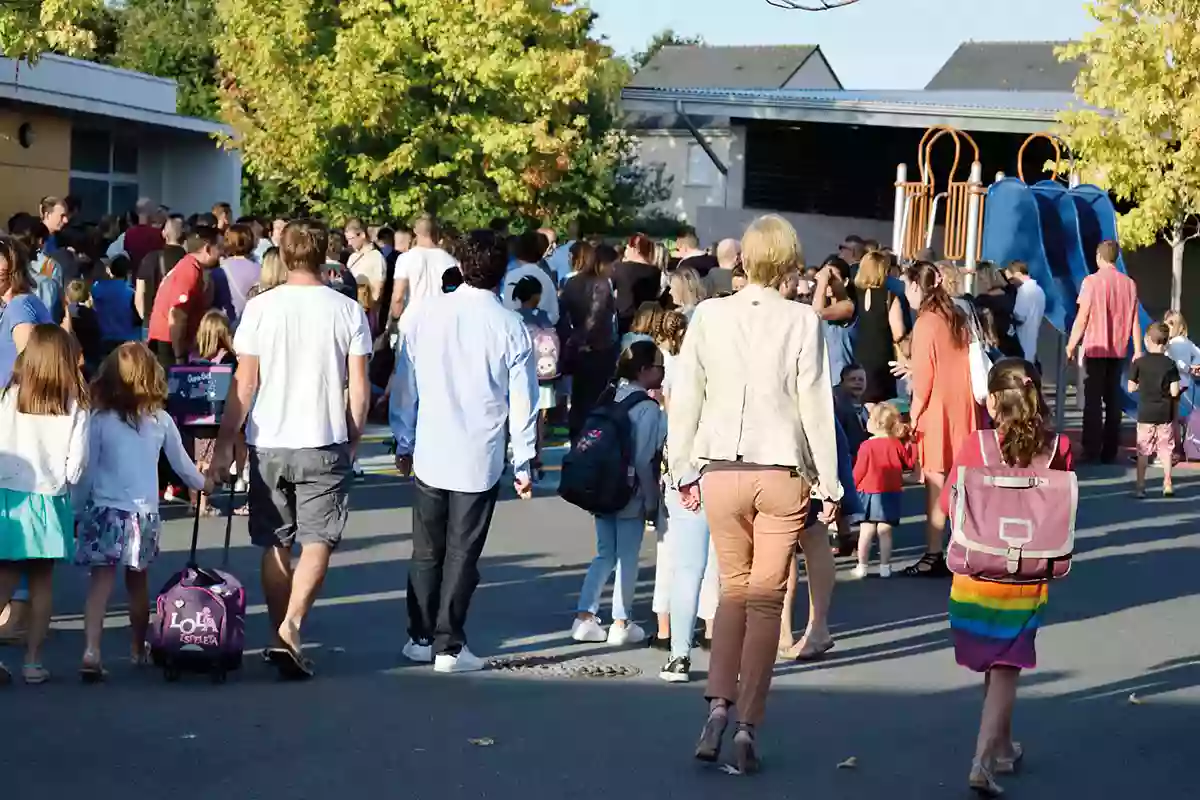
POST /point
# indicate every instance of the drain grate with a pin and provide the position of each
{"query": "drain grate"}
(557, 667)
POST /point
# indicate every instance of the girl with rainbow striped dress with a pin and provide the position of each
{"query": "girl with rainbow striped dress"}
(994, 625)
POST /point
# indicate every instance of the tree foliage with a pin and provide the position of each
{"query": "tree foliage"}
(1140, 134)
(387, 108)
(30, 27)
(173, 39)
(664, 38)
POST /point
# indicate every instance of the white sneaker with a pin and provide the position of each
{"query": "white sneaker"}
(465, 661)
(419, 653)
(629, 633)
(885, 571)
(588, 630)
(860, 571)
(358, 468)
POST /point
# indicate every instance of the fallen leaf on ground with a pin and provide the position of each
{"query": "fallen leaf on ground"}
(482, 741)
(730, 769)
(337, 649)
(1134, 699)
(849, 763)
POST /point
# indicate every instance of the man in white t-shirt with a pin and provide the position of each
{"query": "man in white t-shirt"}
(419, 271)
(366, 263)
(302, 351)
(529, 252)
(1028, 310)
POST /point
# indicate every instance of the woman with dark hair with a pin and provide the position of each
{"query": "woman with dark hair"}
(22, 308)
(588, 309)
(834, 300)
(944, 413)
(241, 270)
(635, 279)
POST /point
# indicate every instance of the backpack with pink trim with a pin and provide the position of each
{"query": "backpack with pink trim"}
(1012, 524)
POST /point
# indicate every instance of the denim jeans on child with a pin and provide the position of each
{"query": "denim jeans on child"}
(618, 544)
(689, 545)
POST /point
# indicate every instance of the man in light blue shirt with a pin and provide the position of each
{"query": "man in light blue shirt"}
(464, 377)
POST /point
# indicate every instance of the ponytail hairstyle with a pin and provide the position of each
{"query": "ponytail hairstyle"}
(1016, 402)
(1176, 324)
(637, 357)
(936, 300)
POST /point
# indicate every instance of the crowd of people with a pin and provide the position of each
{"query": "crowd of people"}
(770, 409)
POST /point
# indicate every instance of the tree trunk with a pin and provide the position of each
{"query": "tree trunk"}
(1178, 243)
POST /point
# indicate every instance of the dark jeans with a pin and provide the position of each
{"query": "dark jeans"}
(591, 373)
(1102, 408)
(449, 531)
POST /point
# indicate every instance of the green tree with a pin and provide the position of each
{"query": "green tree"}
(388, 109)
(1139, 135)
(666, 38)
(173, 39)
(31, 27)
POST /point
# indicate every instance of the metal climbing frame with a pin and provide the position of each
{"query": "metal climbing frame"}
(917, 203)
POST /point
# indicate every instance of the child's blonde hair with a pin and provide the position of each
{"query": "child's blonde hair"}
(131, 384)
(1176, 324)
(214, 334)
(669, 336)
(886, 417)
(646, 320)
(77, 291)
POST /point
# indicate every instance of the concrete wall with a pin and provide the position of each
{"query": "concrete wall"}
(29, 174)
(195, 173)
(669, 150)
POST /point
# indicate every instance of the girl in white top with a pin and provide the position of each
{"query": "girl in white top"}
(1186, 356)
(120, 526)
(43, 449)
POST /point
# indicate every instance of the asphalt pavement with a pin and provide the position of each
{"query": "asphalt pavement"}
(1111, 712)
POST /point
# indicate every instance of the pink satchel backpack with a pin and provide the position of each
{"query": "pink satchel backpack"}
(1012, 524)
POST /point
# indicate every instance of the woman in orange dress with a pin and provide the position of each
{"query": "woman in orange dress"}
(944, 412)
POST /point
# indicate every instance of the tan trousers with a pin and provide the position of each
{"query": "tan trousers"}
(755, 517)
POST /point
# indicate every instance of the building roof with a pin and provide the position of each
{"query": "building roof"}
(985, 110)
(690, 66)
(1007, 66)
(71, 85)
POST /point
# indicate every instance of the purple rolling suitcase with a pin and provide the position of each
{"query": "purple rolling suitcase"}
(201, 624)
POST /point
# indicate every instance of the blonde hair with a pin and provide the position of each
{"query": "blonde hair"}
(46, 374)
(77, 291)
(214, 334)
(131, 384)
(646, 320)
(951, 278)
(770, 249)
(669, 336)
(662, 256)
(887, 418)
(273, 272)
(1176, 324)
(687, 290)
(872, 271)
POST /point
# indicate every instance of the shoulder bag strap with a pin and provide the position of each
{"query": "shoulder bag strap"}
(989, 447)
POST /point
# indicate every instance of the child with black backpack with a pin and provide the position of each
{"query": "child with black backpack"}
(613, 471)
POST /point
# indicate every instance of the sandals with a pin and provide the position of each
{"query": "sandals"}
(745, 754)
(1010, 764)
(709, 746)
(930, 565)
(981, 781)
(34, 674)
(811, 652)
(91, 672)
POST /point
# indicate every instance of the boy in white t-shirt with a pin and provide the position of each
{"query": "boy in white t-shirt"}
(302, 391)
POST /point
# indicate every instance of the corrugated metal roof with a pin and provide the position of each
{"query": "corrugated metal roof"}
(685, 66)
(1007, 66)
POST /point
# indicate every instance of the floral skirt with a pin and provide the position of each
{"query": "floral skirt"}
(111, 537)
(34, 525)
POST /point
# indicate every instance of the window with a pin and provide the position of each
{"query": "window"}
(701, 171)
(103, 173)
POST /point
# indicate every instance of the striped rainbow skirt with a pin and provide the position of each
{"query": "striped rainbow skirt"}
(995, 624)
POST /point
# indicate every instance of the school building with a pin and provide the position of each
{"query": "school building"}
(106, 136)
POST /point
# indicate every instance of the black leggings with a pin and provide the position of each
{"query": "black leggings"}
(592, 373)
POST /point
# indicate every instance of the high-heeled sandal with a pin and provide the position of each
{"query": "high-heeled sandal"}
(745, 754)
(34, 674)
(709, 746)
(1007, 765)
(982, 782)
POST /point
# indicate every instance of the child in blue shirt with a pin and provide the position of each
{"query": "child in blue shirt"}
(112, 300)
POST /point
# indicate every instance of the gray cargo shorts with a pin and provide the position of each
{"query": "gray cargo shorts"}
(299, 495)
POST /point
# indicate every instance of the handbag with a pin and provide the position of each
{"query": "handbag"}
(980, 361)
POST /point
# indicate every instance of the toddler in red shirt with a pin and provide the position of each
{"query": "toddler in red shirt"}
(879, 478)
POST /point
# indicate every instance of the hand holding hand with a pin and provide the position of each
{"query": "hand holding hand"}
(524, 487)
(829, 512)
(689, 497)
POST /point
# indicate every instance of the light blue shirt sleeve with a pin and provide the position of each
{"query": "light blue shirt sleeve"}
(402, 404)
(522, 392)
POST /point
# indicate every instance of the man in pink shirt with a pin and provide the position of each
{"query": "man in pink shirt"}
(1106, 323)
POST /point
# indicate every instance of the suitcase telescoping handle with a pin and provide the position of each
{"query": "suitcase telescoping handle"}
(228, 525)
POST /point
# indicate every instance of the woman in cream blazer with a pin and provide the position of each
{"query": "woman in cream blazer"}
(752, 412)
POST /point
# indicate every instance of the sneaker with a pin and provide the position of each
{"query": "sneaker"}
(465, 661)
(629, 633)
(588, 630)
(677, 670)
(885, 571)
(358, 468)
(419, 652)
(860, 571)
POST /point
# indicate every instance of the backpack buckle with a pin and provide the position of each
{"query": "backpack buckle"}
(1012, 560)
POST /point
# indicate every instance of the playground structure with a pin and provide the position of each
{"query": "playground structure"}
(1053, 228)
